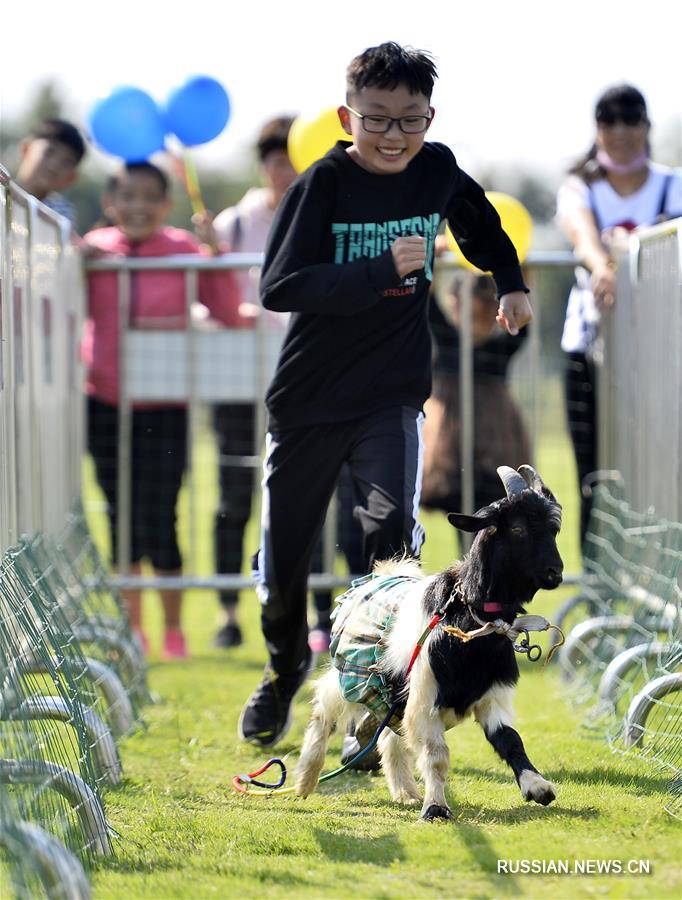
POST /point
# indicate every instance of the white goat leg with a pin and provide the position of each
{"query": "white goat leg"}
(397, 762)
(425, 736)
(535, 787)
(328, 708)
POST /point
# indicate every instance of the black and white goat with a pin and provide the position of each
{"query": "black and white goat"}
(514, 554)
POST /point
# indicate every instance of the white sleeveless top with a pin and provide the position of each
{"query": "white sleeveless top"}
(660, 195)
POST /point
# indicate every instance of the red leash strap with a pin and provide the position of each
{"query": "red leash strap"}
(420, 643)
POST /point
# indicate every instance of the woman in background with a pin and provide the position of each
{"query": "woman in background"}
(614, 188)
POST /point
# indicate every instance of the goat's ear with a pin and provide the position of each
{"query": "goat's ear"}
(484, 518)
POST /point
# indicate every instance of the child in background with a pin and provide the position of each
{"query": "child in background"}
(137, 202)
(50, 157)
(245, 228)
(499, 432)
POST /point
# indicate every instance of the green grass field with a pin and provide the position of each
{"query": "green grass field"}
(184, 832)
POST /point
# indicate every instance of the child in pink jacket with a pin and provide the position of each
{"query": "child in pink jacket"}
(137, 202)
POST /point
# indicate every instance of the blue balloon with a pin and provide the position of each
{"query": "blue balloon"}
(128, 124)
(198, 110)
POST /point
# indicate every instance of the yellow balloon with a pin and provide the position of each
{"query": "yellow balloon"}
(311, 137)
(516, 221)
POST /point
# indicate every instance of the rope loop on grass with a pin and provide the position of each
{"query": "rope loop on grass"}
(241, 782)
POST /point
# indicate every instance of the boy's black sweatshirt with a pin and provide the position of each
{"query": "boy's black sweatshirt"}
(358, 339)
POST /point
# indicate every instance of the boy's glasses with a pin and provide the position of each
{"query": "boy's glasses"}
(631, 118)
(382, 124)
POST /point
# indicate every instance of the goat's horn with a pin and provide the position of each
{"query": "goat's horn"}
(537, 484)
(531, 478)
(512, 481)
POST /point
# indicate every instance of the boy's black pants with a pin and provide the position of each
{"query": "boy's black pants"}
(384, 455)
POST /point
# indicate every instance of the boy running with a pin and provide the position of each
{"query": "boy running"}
(350, 256)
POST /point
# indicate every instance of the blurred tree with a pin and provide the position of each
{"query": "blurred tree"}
(537, 197)
(534, 192)
(47, 102)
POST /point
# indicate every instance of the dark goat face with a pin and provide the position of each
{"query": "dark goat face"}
(522, 548)
(528, 530)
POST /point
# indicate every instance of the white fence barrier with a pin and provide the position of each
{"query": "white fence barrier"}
(641, 375)
(41, 390)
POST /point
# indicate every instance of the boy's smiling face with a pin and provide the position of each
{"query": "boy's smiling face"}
(138, 205)
(389, 153)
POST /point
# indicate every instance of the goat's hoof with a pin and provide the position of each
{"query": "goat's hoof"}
(434, 811)
(305, 785)
(535, 787)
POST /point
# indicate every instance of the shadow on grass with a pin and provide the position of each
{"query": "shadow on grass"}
(638, 783)
(344, 846)
(129, 856)
(486, 857)
(467, 814)
(284, 879)
(469, 825)
(129, 863)
(354, 812)
(484, 854)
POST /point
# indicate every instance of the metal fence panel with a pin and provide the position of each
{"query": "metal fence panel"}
(207, 366)
(41, 386)
(7, 464)
(641, 374)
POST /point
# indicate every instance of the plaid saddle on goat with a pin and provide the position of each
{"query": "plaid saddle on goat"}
(365, 613)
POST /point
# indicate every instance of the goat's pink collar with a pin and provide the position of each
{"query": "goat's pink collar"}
(490, 607)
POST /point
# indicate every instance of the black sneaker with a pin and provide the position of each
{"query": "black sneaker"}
(355, 739)
(266, 717)
(228, 636)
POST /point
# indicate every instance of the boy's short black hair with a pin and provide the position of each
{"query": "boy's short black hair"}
(145, 168)
(273, 136)
(62, 131)
(389, 65)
